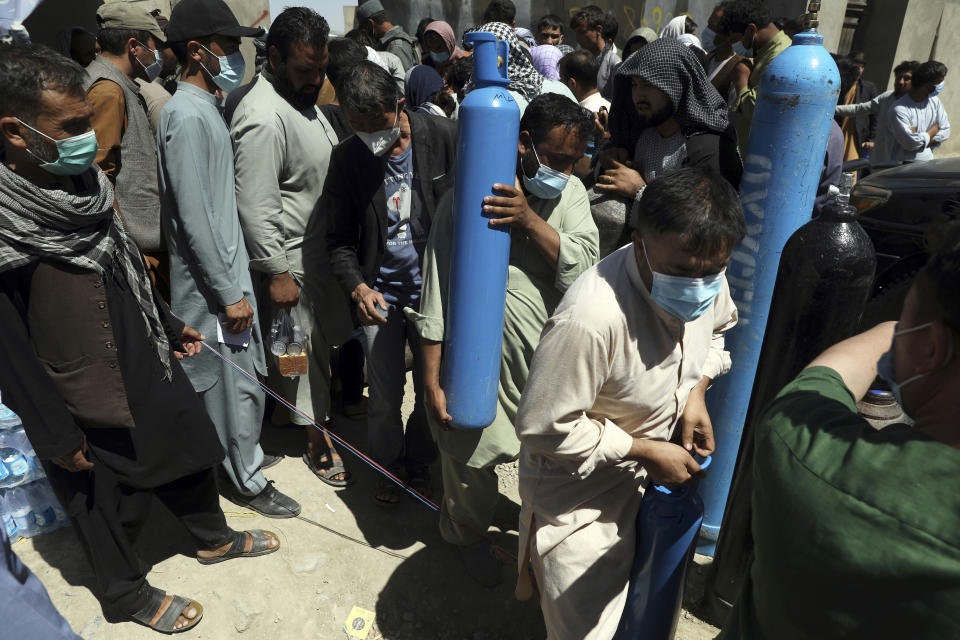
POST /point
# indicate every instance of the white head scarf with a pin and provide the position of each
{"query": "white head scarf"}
(675, 28)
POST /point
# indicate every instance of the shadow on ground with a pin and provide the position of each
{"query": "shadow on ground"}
(429, 596)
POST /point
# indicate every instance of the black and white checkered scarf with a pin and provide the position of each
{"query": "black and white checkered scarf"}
(674, 69)
(524, 78)
(82, 230)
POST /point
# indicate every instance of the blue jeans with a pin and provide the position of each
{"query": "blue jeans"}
(387, 441)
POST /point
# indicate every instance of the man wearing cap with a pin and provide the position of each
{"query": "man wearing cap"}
(130, 39)
(373, 19)
(210, 282)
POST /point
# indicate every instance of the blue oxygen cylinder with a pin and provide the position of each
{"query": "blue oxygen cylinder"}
(667, 529)
(489, 124)
(788, 142)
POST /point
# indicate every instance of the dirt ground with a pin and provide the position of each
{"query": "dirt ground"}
(344, 551)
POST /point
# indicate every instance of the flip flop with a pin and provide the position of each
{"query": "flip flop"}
(326, 474)
(147, 616)
(258, 547)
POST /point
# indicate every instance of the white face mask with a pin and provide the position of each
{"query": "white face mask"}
(379, 142)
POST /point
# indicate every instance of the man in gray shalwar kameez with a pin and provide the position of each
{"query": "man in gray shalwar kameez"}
(209, 266)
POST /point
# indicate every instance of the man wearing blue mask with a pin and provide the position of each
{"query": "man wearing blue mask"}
(621, 370)
(210, 281)
(553, 239)
(749, 24)
(917, 123)
(130, 38)
(855, 530)
(378, 204)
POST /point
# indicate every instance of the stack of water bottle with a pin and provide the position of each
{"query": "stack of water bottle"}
(27, 504)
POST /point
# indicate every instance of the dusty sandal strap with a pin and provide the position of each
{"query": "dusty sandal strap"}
(258, 547)
(166, 623)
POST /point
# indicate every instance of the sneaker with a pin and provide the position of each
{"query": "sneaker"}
(269, 503)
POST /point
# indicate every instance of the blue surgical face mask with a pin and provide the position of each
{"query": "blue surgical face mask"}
(937, 89)
(232, 68)
(887, 372)
(548, 183)
(741, 50)
(153, 70)
(74, 154)
(684, 298)
(439, 58)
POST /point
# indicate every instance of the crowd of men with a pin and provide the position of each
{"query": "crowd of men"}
(164, 227)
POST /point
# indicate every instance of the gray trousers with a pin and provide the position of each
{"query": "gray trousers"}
(235, 404)
(388, 443)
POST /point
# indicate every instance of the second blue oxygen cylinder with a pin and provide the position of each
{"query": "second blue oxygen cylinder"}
(667, 529)
(489, 124)
(782, 168)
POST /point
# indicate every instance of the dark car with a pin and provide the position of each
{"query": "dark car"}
(902, 209)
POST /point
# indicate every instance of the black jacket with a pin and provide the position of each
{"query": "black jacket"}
(866, 122)
(354, 200)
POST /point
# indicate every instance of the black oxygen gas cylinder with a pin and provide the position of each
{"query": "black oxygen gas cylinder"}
(825, 277)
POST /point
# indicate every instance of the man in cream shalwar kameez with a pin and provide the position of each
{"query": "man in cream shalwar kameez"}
(612, 367)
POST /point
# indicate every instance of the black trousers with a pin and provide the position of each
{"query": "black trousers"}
(109, 515)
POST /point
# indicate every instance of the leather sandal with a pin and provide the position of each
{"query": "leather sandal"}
(149, 615)
(257, 541)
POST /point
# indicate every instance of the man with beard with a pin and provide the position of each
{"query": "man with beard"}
(282, 144)
(676, 119)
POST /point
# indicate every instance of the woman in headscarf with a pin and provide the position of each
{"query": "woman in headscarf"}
(546, 60)
(638, 38)
(677, 27)
(440, 46)
(526, 83)
(423, 82)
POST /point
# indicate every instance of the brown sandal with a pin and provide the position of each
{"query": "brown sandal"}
(257, 541)
(150, 615)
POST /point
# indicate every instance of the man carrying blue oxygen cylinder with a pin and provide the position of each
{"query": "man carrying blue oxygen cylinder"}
(553, 240)
(624, 362)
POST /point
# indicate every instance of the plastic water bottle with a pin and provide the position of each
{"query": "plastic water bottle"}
(16, 465)
(41, 499)
(18, 505)
(6, 520)
(8, 419)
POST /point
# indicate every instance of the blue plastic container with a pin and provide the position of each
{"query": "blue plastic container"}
(489, 124)
(788, 141)
(667, 528)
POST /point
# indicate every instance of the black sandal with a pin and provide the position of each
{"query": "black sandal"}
(420, 480)
(258, 547)
(388, 493)
(326, 473)
(147, 616)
